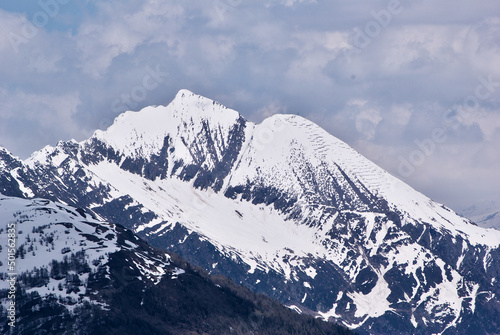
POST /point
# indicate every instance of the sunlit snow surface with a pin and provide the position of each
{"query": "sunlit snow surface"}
(274, 152)
(49, 232)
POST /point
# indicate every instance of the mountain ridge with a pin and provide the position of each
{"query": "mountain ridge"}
(77, 275)
(285, 209)
(383, 178)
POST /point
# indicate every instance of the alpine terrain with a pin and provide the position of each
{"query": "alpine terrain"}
(283, 208)
(78, 275)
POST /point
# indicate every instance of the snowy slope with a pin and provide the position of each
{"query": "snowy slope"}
(142, 134)
(77, 275)
(282, 207)
(297, 150)
(62, 259)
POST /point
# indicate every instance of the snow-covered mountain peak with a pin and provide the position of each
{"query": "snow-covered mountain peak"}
(190, 106)
(217, 148)
(7, 159)
(4, 156)
(143, 133)
(296, 155)
(4, 150)
(189, 99)
(40, 156)
(282, 201)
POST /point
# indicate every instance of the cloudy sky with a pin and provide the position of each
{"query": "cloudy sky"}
(412, 85)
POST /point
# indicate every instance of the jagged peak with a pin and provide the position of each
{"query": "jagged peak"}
(40, 156)
(185, 94)
(200, 106)
(267, 147)
(7, 159)
(4, 152)
(144, 131)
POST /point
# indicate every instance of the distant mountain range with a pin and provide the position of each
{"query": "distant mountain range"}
(281, 207)
(485, 214)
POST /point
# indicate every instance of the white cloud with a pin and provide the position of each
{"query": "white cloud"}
(43, 119)
(218, 51)
(487, 119)
(400, 114)
(271, 109)
(366, 118)
(48, 110)
(121, 32)
(290, 3)
(10, 25)
(316, 48)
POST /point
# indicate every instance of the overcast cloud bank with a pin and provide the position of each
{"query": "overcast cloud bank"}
(412, 85)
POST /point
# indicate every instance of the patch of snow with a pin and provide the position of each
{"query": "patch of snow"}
(27, 191)
(172, 200)
(177, 272)
(373, 304)
(295, 308)
(311, 272)
(330, 313)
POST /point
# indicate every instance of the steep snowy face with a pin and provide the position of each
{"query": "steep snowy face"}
(290, 155)
(284, 208)
(7, 161)
(294, 156)
(193, 137)
(8, 183)
(187, 120)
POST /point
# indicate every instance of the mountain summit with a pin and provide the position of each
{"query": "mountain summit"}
(283, 208)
